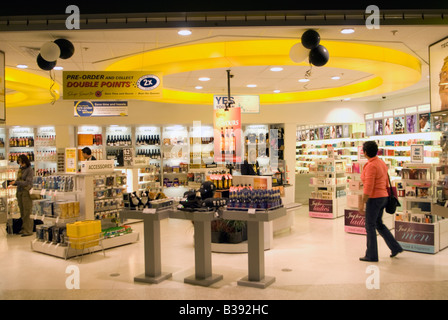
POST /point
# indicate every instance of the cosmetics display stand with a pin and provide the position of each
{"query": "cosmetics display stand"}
(151, 224)
(255, 236)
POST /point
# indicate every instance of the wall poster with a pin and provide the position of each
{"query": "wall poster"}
(2, 87)
(438, 71)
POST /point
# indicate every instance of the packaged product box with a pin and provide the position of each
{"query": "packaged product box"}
(70, 210)
(353, 200)
(355, 185)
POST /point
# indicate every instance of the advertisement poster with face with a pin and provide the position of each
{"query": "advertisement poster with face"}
(438, 71)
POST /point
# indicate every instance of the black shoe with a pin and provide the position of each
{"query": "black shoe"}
(367, 259)
(396, 252)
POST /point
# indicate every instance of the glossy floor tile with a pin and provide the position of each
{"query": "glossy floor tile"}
(316, 259)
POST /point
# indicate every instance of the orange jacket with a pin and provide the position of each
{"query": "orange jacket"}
(374, 178)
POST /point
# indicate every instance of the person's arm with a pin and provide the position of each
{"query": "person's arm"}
(27, 176)
(369, 184)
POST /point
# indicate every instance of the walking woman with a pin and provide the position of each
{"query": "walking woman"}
(24, 184)
(376, 181)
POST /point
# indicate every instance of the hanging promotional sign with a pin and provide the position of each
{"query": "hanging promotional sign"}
(438, 70)
(227, 134)
(248, 104)
(93, 85)
(101, 108)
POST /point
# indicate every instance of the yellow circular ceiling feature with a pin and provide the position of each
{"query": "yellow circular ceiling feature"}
(390, 69)
(30, 89)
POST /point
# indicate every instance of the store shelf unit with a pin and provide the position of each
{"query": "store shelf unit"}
(92, 137)
(117, 139)
(330, 185)
(418, 228)
(312, 143)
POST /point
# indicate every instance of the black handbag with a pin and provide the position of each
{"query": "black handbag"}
(392, 202)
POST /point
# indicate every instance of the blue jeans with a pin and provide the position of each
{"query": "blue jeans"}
(374, 221)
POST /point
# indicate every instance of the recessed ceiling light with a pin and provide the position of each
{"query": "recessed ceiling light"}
(198, 87)
(347, 30)
(184, 32)
(335, 78)
(347, 99)
(276, 91)
(251, 85)
(204, 79)
(22, 66)
(58, 68)
(276, 69)
(304, 80)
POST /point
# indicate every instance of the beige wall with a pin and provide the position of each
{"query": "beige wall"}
(141, 112)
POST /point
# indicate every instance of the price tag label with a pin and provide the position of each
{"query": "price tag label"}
(251, 211)
(150, 210)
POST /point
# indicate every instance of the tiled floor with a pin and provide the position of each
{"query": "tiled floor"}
(316, 259)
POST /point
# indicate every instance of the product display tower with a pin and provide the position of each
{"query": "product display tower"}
(330, 184)
(418, 228)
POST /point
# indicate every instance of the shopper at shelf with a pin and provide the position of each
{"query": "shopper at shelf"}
(375, 196)
(24, 184)
(87, 154)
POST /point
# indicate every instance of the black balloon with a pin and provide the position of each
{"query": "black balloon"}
(319, 56)
(67, 48)
(44, 64)
(310, 39)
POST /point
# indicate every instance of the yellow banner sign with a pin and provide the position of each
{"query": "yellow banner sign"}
(101, 85)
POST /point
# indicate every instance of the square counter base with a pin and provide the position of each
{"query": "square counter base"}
(203, 282)
(262, 284)
(148, 279)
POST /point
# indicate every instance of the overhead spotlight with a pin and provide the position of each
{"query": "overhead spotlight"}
(347, 31)
(184, 32)
(335, 78)
(198, 87)
(251, 85)
(58, 68)
(304, 80)
(276, 91)
(22, 66)
(204, 79)
(276, 69)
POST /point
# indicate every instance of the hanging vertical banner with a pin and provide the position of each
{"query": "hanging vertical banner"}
(227, 134)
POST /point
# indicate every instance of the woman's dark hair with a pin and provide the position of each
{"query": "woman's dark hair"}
(87, 151)
(370, 148)
(24, 159)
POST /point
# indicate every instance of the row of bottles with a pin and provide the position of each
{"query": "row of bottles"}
(203, 140)
(246, 198)
(149, 153)
(118, 141)
(21, 141)
(148, 140)
(46, 155)
(45, 172)
(45, 140)
(2, 143)
(13, 156)
(228, 142)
